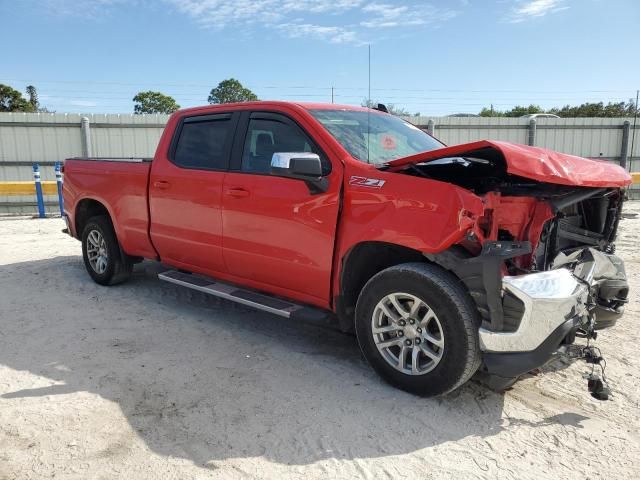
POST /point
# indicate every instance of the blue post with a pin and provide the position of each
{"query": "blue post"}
(58, 168)
(36, 178)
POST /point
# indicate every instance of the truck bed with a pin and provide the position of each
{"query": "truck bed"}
(122, 185)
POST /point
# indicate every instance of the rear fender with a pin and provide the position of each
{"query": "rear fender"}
(94, 198)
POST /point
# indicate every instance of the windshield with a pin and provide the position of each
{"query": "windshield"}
(374, 137)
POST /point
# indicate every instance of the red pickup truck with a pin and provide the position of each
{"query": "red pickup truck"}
(488, 257)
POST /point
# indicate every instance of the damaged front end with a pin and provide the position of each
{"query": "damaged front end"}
(539, 263)
(530, 318)
(558, 278)
(605, 277)
(583, 291)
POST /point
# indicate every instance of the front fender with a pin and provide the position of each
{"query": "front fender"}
(418, 213)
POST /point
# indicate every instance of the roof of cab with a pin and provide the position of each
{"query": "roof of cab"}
(275, 103)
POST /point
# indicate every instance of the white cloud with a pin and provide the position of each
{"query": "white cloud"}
(93, 9)
(333, 21)
(386, 10)
(221, 13)
(320, 6)
(330, 34)
(386, 15)
(320, 19)
(529, 9)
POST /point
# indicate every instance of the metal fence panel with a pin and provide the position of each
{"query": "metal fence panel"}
(44, 138)
(126, 135)
(586, 137)
(456, 130)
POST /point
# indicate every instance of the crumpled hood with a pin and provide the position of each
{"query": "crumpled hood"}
(532, 162)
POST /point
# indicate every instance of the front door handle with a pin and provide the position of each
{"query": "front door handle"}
(238, 192)
(161, 184)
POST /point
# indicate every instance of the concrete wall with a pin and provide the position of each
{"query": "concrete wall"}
(44, 138)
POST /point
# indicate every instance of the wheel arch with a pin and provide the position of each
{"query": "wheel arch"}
(361, 263)
(87, 208)
(366, 259)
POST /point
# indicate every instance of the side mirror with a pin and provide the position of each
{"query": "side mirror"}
(301, 166)
(293, 164)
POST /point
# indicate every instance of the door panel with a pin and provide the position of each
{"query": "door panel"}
(275, 230)
(185, 193)
(279, 233)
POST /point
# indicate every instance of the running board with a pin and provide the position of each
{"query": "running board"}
(250, 298)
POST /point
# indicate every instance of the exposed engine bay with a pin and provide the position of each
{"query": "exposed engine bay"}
(547, 226)
(531, 231)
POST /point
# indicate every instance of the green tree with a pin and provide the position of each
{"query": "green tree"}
(519, 111)
(490, 112)
(392, 108)
(33, 97)
(11, 100)
(154, 102)
(588, 109)
(599, 109)
(34, 101)
(516, 111)
(231, 91)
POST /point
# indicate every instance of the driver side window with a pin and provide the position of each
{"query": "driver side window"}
(266, 137)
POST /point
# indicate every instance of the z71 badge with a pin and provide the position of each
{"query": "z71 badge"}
(366, 182)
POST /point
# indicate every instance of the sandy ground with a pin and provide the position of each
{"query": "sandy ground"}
(149, 380)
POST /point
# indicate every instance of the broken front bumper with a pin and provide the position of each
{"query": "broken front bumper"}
(550, 299)
(586, 290)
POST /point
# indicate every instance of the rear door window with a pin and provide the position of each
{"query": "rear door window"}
(204, 142)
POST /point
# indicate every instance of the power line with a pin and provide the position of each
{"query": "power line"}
(121, 97)
(324, 88)
(192, 95)
(462, 101)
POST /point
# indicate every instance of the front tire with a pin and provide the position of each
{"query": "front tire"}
(103, 258)
(417, 327)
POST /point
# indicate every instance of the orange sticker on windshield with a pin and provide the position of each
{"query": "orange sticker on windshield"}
(388, 142)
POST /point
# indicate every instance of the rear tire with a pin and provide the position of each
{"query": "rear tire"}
(417, 327)
(103, 258)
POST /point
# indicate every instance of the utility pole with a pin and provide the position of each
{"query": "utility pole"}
(331, 94)
(369, 110)
(369, 75)
(635, 120)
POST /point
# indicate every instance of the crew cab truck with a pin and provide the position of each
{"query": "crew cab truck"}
(487, 257)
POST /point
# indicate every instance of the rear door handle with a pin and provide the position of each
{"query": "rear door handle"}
(161, 184)
(238, 192)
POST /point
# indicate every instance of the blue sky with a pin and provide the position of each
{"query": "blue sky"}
(437, 57)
